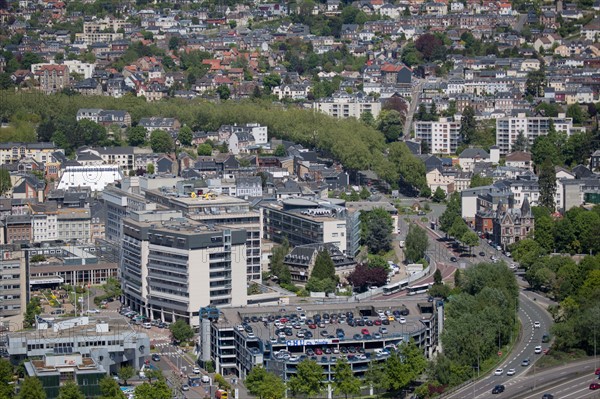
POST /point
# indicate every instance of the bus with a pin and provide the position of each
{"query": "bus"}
(419, 289)
(393, 288)
(194, 380)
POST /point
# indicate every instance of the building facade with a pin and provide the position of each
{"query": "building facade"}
(442, 137)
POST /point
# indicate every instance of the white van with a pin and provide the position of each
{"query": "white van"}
(147, 325)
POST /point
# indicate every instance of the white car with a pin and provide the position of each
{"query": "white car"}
(499, 372)
(537, 324)
(402, 320)
(93, 311)
(511, 372)
(538, 350)
(196, 370)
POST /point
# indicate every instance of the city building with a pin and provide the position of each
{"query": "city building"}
(53, 78)
(442, 136)
(301, 221)
(344, 105)
(17, 229)
(74, 225)
(186, 264)
(109, 343)
(12, 152)
(54, 370)
(509, 128)
(13, 283)
(235, 351)
(94, 177)
(512, 224)
(212, 209)
(301, 261)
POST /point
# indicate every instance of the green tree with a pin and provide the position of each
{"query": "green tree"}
(150, 169)
(5, 182)
(521, 143)
(453, 209)
(278, 268)
(367, 118)
(468, 125)
(91, 133)
(577, 113)
(33, 308)
(224, 92)
(324, 267)
(390, 124)
(344, 381)
(470, 239)
(136, 136)
(439, 195)
(272, 80)
(32, 388)
(110, 389)
(181, 331)
(410, 169)
(70, 390)
(308, 379)
(437, 277)
(405, 366)
(416, 243)
(547, 184)
(264, 384)
(549, 146)
(6, 379)
(479, 181)
(280, 151)
(377, 228)
(126, 373)
(161, 141)
(458, 229)
(534, 85)
(185, 136)
(205, 149)
(157, 390)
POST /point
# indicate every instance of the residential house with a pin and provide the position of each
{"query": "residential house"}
(519, 159)
(53, 78)
(512, 224)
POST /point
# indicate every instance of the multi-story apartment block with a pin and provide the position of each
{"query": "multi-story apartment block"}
(12, 152)
(17, 229)
(344, 105)
(14, 286)
(302, 222)
(74, 225)
(442, 136)
(44, 225)
(53, 78)
(218, 210)
(509, 128)
(189, 265)
(256, 131)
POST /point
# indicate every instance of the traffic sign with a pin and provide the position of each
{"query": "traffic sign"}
(499, 353)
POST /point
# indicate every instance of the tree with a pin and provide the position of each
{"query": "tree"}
(410, 169)
(405, 366)
(479, 181)
(534, 85)
(363, 277)
(181, 331)
(390, 124)
(264, 384)
(91, 133)
(205, 149)
(437, 277)
(416, 243)
(344, 382)
(224, 92)
(185, 136)
(367, 118)
(547, 184)
(521, 143)
(458, 229)
(431, 47)
(377, 227)
(154, 374)
(136, 136)
(33, 308)
(126, 372)
(272, 80)
(70, 390)
(549, 146)
(308, 379)
(453, 209)
(157, 390)
(280, 151)
(470, 239)
(324, 267)
(150, 169)
(439, 195)
(467, 125)
(32, 388)
(161, 141)
(6, 379)
(5, 182)
(173, 43)
(110, 389)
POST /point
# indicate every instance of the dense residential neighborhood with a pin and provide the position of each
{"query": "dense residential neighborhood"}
(370, 198)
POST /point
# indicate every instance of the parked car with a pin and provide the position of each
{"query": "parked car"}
(185, 387)
(156, 357)
(594, 386)
(482, 253)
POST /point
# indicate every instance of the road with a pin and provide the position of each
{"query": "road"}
(529, 312)
(414, 101)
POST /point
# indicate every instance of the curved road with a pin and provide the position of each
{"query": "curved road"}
(529, 312)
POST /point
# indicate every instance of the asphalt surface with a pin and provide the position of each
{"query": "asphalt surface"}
(529, 312)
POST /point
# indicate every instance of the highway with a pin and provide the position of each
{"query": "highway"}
(530, 337)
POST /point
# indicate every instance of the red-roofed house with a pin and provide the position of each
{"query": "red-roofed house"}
(393, 74)
(215, 65)
(53, 78)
